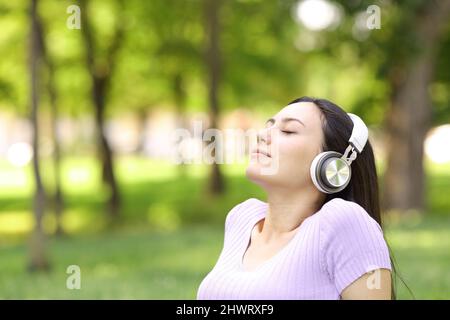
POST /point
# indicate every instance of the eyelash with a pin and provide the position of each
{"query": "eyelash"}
(286, 132)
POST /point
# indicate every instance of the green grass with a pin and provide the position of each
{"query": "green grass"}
(119, 265)
(149, 265)
(422, 254)
(171, 233)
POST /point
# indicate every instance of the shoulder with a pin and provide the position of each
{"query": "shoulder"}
(244, 211)
(346, 228)
(340, 214)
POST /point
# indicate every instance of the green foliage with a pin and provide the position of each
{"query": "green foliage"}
(265, 60)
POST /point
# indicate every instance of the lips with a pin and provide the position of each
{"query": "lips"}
(261, 151)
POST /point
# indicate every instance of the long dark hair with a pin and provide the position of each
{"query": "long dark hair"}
(363, 187)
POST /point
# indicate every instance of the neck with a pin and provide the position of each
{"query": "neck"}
(287, 210)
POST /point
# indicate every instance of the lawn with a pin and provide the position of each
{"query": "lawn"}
(170, 265)
(170, 235)
(117, 265)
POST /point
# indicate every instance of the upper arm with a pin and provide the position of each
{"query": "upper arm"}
(375, 285)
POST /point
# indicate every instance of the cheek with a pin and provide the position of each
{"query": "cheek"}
(295, 149)
(295, 156)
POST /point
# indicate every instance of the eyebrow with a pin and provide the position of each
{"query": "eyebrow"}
(284, 120)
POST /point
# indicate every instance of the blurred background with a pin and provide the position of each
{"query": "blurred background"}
(92, 91)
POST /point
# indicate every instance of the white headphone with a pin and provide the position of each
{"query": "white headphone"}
(331, 171)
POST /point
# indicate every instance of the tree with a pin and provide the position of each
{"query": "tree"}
(58, 203)
(409, 115)
(173, 35)
(213, 66)
(38, 259)
(402, 55)
(101, 70)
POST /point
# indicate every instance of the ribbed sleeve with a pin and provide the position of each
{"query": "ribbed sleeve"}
(352, 243)
(231, 217)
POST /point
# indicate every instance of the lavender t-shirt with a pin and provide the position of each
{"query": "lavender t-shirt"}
(331, 249)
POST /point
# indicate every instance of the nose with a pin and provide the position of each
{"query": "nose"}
(265, 135)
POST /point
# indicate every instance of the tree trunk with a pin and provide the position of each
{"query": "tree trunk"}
(213, 63)
(180, 100)
(58, 196)
(142, 113)
(106, 156)
(409, 117)
(58, 203)
(101, 77)
(38, 259)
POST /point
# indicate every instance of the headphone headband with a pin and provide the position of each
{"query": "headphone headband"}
(360, 133)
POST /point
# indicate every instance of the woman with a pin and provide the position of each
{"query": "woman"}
(307, 241)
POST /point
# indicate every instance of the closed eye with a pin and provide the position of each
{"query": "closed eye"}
(287, 132)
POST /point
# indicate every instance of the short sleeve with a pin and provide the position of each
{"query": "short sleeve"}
(231, 217)
(238, 215)
(352, 243)
(231, 220)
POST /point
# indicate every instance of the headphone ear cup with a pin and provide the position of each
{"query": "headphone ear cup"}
(316, 177)
(330, 182)
(335, 173)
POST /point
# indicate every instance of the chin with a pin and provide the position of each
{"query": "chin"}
(254, 173)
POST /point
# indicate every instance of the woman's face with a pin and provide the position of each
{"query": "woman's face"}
(286, 147)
